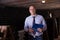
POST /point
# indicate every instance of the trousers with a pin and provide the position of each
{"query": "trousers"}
(36, 38)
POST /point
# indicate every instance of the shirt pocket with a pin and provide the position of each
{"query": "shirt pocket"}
(38, 22)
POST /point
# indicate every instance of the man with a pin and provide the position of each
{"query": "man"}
(30, 20)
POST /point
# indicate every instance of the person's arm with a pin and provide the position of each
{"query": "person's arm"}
(44, 24)
(26, 25)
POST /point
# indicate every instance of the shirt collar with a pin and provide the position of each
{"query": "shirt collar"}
(33, 15)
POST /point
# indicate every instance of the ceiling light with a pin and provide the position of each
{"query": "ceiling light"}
(43, 1)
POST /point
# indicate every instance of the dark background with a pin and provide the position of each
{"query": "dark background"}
(13, 16)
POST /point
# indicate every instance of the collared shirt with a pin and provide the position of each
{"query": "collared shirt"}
(38, 20)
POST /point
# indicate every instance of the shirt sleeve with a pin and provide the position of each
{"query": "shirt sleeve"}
(44, 24)
(26, 25)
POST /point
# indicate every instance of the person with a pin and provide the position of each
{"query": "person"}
(30, 20)
(3, 30)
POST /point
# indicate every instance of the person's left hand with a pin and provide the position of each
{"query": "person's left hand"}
(40, 29)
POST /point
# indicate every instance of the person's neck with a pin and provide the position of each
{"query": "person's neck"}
(34, 15)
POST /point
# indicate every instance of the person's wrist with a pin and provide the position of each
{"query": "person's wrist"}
(40, 30)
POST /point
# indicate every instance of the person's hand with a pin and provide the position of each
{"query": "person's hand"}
(31, 30)
(40, 30)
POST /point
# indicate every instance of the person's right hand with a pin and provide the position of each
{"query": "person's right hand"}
(31, 30)
(40, 30)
